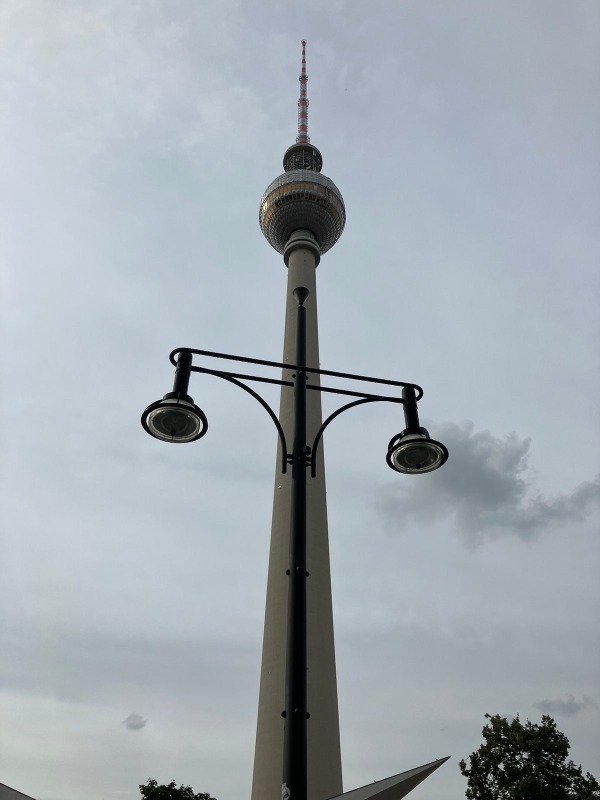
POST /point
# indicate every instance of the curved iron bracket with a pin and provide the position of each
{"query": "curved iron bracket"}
(238, 378)
(264, 404)
(336, 413)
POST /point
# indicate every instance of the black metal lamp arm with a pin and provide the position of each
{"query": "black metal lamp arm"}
(233, 378)
(294, 367)
(184, 354)
(336, 413)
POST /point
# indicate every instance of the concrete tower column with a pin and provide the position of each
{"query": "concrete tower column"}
(324, 759)
(302, 215)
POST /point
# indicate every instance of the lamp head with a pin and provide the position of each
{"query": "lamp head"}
(414, 451)
(175, 418)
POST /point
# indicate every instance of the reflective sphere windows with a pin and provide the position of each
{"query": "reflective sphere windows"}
(302, 199)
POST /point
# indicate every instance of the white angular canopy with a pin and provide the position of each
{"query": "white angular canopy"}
(393, 788)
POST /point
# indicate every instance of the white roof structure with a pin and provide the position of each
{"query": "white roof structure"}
(393, 788)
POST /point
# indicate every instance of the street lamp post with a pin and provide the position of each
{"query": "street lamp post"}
(176, 418)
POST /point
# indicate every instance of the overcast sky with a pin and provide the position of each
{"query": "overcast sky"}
(136, 141)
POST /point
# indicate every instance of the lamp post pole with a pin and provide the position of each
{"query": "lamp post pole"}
(294, 781)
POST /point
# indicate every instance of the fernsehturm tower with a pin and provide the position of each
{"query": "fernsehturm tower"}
(302, 216)
(297, 755)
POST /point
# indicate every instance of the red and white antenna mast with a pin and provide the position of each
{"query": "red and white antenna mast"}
(303, 101)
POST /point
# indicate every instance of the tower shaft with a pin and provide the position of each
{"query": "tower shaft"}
(323, 740)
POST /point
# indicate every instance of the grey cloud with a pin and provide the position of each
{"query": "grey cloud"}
(135, 722)
(567, 708)
(90, 666)
(487, 488)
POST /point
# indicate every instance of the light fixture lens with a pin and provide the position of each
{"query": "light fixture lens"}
(415, 452)
(175, 420)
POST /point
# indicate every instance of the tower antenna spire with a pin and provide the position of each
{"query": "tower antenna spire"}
(303, 102)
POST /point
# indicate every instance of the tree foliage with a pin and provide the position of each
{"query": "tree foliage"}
(525, 762)
(169, 791)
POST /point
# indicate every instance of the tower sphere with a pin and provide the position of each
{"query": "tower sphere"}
(302, 198)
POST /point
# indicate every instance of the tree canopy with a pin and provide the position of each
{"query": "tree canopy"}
(151, 790)
(525, 762)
